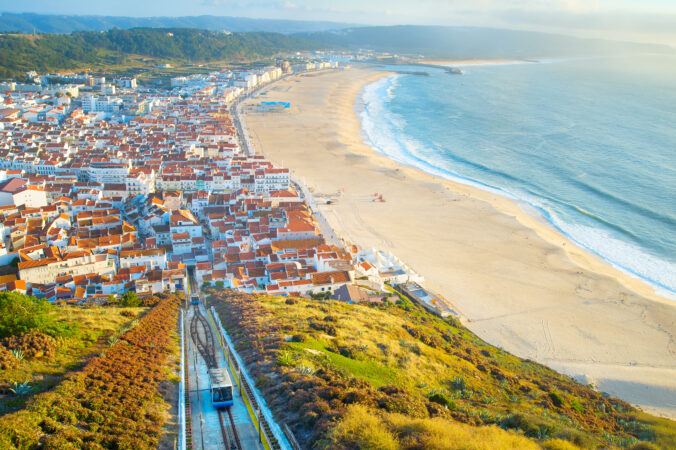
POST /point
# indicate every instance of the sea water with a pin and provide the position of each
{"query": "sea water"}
(590, 143)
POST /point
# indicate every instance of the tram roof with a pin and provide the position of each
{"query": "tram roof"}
(220, 377)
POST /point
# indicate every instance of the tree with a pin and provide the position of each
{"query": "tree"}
(20, 314)
(130, 299)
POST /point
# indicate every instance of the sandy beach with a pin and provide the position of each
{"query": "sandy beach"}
(517, 283)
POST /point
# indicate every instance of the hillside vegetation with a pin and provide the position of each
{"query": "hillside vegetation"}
(48, 52)
(394, 376)
(51, 23)
(116, 401)
(39, 342)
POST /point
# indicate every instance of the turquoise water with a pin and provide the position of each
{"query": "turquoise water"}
(591, 144)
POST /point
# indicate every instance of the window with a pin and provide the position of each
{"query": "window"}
(222, 394)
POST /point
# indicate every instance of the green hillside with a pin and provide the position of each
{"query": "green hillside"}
(52, 23)
(20, 53)
(394, 376)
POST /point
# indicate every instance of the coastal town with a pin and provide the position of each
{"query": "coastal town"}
(279, 225)
(107, 187)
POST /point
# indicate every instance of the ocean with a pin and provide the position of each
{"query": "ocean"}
(589, 143)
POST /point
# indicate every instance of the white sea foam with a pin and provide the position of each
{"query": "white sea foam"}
(622, 255)
(384, 131)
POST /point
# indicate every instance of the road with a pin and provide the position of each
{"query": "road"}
(248, 148)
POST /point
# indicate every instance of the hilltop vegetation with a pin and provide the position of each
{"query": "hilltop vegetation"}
(48, 52)
(116, 400)
(394, 376)
(50, 23)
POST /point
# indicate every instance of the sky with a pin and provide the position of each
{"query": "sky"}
(632, 20)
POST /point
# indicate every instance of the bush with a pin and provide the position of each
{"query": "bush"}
(285, 359)
(149, 300)
(7, 360)
(404, 403)
(644, 446)
(20, 314)
(300, 337)
(325, 327)
(532, 426)
(359, 428)
(439, 433)
(33, 345)
(130, 299)
(458, 384)
(443, 401)
(558, 444)
(556, 399)
(576, 405)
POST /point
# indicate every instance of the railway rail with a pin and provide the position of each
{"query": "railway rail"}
(262, 421)
(202, 337)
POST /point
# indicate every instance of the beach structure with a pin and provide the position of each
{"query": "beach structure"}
(429, 301)
(383, 267)
(268, 107)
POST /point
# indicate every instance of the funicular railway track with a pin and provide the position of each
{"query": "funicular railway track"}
(263, 423)
(202, 337)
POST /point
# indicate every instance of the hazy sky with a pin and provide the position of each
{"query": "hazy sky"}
(638, 20)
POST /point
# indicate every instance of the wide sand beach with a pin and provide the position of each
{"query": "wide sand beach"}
(517, 283)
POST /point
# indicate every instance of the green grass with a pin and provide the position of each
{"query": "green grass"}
(372, 371)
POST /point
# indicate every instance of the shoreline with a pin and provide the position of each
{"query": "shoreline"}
(663, 292)
(535, 288)
(471, 62)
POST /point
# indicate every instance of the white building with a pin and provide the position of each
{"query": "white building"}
(183, 221)
(153, 259)
(390, 269)
(108, 173)
(179, 81)
(128, 83)
(31, 196)
(109, 105)
(108, 89)
(46, 270)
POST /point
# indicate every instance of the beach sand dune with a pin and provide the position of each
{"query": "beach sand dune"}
(517, 283)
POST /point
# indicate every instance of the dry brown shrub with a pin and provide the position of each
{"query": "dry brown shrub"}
(33, 345)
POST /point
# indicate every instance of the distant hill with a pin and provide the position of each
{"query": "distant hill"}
(476, 43)
(40, 23)
(48, 52)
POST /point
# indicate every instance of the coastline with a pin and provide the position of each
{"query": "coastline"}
(469, 62)
(533, 211)
(520, 284)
